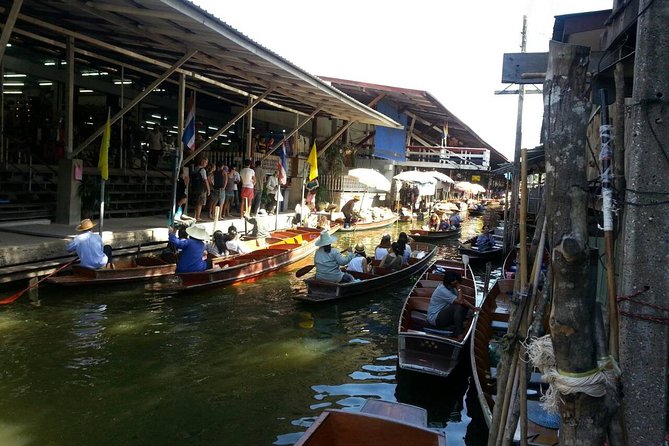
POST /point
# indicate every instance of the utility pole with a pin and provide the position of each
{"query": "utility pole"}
(516, 157)
(644, 324)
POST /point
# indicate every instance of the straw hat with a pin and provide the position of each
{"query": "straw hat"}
(325, 239)
(198, 232)
(356, 197)
(360, 248)
(85, 225)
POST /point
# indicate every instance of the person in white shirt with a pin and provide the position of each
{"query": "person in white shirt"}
(234, 245)
(359, 261)
(248, 179)
(382, 249)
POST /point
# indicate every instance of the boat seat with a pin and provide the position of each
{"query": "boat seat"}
(418, 320)
(428, 283)
(500, 326)
(433, 330)
(422, 292)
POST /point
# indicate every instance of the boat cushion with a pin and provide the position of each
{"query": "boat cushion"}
(500, 326)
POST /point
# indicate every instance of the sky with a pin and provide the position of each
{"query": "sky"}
(453, 50)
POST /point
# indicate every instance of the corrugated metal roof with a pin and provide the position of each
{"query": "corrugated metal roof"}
(165, 30)
(423, 105)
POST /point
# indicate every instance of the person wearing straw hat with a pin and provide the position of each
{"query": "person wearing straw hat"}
(347, 210)
(359, 261)
(329, 260)
(193, 256)
(88, 246)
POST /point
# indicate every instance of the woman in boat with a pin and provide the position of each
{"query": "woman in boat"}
(217, 247)
(434, 221)
(234, 245)
(382, 249)
(447, 308)
(403, 241)
(393, 260)
(193, 250)
(359, 261)
(329, 260)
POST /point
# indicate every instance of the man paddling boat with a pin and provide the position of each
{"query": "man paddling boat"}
(88, 245)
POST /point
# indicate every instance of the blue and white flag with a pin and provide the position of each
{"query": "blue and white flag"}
(188, 137)
(281, 165)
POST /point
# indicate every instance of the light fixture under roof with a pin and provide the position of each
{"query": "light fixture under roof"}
(15, 75)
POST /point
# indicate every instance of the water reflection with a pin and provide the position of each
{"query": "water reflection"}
(243, 364)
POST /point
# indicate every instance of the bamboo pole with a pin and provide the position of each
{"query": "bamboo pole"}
(523, 280)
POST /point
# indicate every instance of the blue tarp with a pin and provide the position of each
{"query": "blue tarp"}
(390, 143)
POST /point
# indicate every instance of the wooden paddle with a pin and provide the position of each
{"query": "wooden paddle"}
(304, 270)
(12, 298)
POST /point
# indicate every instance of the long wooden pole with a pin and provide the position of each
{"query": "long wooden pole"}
(606, 157)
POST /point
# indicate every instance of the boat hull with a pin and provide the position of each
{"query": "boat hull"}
(136, 270)
(434, 236)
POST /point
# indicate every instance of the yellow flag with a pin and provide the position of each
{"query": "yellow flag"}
(103, 162)
(313, 162)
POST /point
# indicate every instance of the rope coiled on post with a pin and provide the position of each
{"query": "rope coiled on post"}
(595, 383)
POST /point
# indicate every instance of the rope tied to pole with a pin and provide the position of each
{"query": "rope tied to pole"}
(595, 383)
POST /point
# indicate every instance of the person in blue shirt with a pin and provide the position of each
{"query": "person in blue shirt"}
(88, 245)
(455, 220)
(329, 260)
(193, 255)
(485, 240)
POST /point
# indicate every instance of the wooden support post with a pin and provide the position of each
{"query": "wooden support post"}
(566, 114)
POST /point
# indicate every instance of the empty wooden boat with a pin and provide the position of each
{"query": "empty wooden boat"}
(133, 270)
(422, 235)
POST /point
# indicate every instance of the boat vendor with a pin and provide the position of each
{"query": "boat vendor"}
(485, 240)
(328, 260)
(359, 261)
(88, 245)
(347, 210)
(234, 245)
(260, 224)
(193, 249)
(447, 308)
(455, 219)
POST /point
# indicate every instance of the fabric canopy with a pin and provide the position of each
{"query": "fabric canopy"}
(371, 178)
(414, 176)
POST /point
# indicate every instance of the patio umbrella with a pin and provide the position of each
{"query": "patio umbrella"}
(464, 186)
(477, 189)
(440, 176)
(371, 178)
(414, 176)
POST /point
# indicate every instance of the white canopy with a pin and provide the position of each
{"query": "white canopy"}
(414, 176)
(440, 176)
(371, 178)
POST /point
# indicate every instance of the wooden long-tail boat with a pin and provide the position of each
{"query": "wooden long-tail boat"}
(320, 290)
(510, 262)
(297, 244)
(470, 248)
(377, 423)
(490, 324)
(363, 226)
(423, 348)
(422, 235)
(146, 268)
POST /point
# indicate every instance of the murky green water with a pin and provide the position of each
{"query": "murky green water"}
(241, 365)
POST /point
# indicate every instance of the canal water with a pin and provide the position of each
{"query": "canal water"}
(240, 365)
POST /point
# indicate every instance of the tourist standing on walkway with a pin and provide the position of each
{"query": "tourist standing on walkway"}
(236, 179)
(193, 256)
(156, 145)
(219, 180)
(199, 186)
(229, 193)
(248, 178)
(88, 245)
(259, 187)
